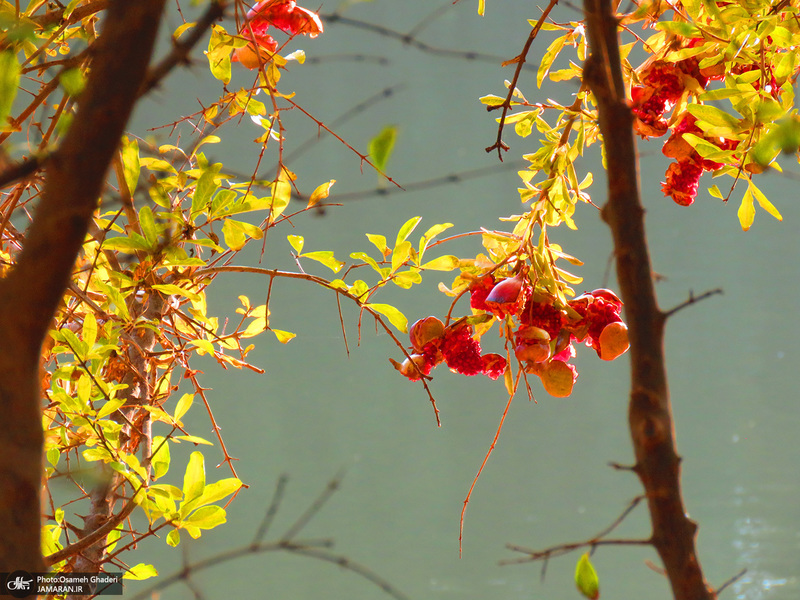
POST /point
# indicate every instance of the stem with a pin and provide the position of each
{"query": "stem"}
(649, 411)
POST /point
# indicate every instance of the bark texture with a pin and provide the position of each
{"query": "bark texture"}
(650, 413)
(30, 293)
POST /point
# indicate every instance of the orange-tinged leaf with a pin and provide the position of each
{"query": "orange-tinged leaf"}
(321, 192)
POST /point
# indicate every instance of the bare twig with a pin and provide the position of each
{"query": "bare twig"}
(730, 581)
(311, 548)
(597, 540)
(692, 300)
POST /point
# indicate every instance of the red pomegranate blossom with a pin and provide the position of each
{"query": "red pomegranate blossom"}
(282, 14)
(683, 176)
(454, 345)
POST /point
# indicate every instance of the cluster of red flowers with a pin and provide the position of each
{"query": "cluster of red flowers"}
(683, 176)
(282, 14)
(433, 343)
(543, 339)
(662, 86)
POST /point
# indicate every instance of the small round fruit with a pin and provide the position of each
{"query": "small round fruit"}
(614, 340)
(424, 331)
(558, 378)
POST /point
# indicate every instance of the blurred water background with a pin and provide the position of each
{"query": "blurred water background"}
(316, 412)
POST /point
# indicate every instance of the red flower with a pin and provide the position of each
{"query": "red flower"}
(286, 16)
(478, 292)
(683, 178)
(494, 365)
(260, 49)
(597, 309)
(461, 351)
(542, 315)
(283, 14)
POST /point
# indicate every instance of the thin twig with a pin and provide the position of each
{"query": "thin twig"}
(692, 300)
(597, 540)
(272, 509)
(499, 144)
(733, 579)
(313, 508)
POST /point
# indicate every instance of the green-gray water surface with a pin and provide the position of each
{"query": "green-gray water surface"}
(316, 412)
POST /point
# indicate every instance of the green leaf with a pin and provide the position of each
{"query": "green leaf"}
(405, 279)
(194, 480)
(395, 317)
(131, 166)
(89, 329)
(492, 100)
(9, 83)
(381, 146)
(219, 54)
(764, 202)
(112, 537)
(713, 115)
(205, 187)
(72, 81)
(237, 232)
(281, 195)
(53, 455)
(586, 578)
(193, 439)
(183, 406)
(173, 538)
(109, 407)
(379, 241)
(206, 517)
(148, 225)
(161, 456)
(549, 57)
(682, 28)
(141, 571)
(214, 492)
(406, 229)
(369, 260)
(400, 255)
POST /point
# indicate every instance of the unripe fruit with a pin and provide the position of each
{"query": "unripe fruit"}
(409, 369)
(558, 378)
(424, 331)
(536, 351)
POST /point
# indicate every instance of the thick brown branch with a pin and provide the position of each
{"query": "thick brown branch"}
(31, 292)
(650, 413)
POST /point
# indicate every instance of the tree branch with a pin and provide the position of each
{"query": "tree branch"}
(649, 411)
(31, 292)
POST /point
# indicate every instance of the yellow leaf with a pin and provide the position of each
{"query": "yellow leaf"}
(321, 192)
